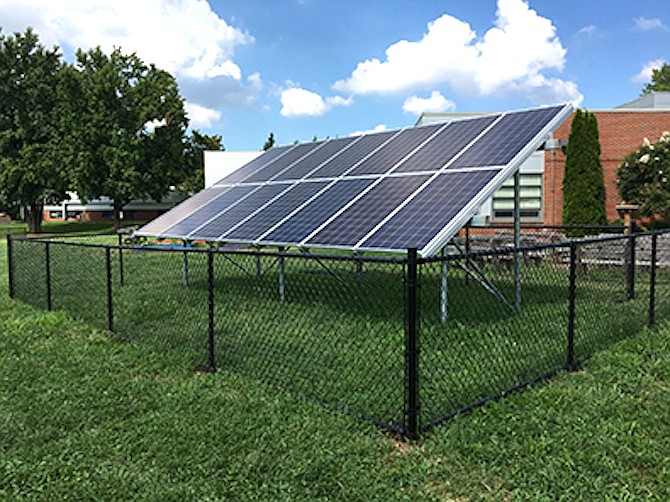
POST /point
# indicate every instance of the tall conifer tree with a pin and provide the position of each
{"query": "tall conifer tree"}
(583, 186)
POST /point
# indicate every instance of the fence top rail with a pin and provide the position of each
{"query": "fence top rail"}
(543, 247)
(212, 250)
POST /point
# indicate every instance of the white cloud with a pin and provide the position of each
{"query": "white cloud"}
(184, 37)
(377, 128)
(643, 24)
(298, 102)
(644, 75)
(435, 103)
(588, 30)
(510, 56)
(201, 116)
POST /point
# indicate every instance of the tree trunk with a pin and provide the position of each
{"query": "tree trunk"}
(34, 217)
(117, 216)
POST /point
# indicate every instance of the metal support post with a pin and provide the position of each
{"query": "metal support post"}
(121, 259)
(259, 268)
(411, 347)
(282, 291)
(444, 303)
(570, 360)
(210, 326)
(185, 263)
(359, 272)
(110, 298)
(652, 282)
(47, 264)
(10, 264)
(517, 241)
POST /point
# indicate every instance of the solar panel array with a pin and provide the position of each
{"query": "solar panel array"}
(385, 191)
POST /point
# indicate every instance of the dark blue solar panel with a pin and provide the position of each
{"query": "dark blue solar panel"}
(448, 142)
(270, 215)
(506, 138)
(318, 157)
(395, 150)
(230, 217)
(207, 211)
(430, 211)
(163, 222)
(271, 170)
(251, 167)
(337, 166)
(317, 212)
(362, 216)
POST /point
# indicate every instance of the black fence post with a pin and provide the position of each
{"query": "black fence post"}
(110, 298)
(47, 266)
(652, 281)
(210, 327)
(121, 278)
(630, 267)
(570, 361)
(10, 264)
(411, 348)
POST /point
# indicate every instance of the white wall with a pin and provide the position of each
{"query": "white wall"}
(219, 164)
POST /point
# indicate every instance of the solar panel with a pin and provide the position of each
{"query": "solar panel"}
(429, 211)
(207, 211)
(253, 166)
(317, 212)
(385, 191)
(260, 222)
(358, 219)
(166, 220)
(395, 150)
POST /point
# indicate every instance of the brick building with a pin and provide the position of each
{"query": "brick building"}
(621, 131)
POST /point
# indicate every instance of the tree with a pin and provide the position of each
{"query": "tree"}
(270, 142)
(643, 177)
(660, 80)
(194, 162)
(128, 123)
(31, 172)
(583, 186)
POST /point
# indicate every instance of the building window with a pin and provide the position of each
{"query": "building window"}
(530, 191)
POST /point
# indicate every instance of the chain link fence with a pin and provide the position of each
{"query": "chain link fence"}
(404, 342)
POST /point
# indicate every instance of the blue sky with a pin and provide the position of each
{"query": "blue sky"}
(300, 68)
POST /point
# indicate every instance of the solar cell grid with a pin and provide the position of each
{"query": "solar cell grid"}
(229, 217)
(506, 138)
(317, 212)
(337, 166)
(251, 167)
(430, 211)
(304, 166)
(275, 167)
(362, 216)
(166, 220)
(208, 211)
(395, 150)
(266, 218)
(443, 147)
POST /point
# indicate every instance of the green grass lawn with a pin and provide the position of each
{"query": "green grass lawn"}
(84, 416)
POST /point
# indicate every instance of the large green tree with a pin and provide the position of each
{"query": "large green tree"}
(583, 186)
(660, 80)
(194, 160)
(644, 177)
(127, 123)
(31, 169)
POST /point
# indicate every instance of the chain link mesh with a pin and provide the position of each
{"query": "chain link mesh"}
(333, 328)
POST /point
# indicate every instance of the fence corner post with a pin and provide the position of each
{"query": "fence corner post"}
(110, 298)
(570, 363)
(411, 347)
(10, 265)
(652, 281)
(211, 364)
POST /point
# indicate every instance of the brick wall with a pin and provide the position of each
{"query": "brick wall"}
(620, 132)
